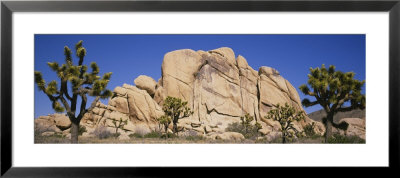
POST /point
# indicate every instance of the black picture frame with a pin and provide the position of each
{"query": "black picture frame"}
(8, 7)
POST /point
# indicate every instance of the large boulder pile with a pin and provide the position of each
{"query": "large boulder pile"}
(219, 88)
(52, 124)
(130, 104)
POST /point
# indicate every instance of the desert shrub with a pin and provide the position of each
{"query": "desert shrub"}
(337, 138)
(58, 135)
(316, 136)
(234, 127)
(309, 130)
(244, 127)
(262, 140)
(101, 132)
(170, 135)
(135, 135)
(277, 139)
(82, 129)
(153, 134)
(115, 134)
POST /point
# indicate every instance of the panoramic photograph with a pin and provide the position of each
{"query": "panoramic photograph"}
(199, 89)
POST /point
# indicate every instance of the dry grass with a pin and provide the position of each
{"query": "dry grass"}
(133, 140)
(177, 140)
(51, 139)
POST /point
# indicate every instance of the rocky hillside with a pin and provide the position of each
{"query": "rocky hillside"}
(355, 119)
(318, 115)
(218, 85)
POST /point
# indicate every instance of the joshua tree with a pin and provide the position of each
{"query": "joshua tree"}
(175, 109)
(332, 89)
(119, 124)
(165, 121)
(286, 115)
(246, 123)
(246, 128)
(81, 83)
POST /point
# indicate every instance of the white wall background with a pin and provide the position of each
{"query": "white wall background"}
(373, 153)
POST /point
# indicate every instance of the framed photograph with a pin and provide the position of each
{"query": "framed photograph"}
(135, 85)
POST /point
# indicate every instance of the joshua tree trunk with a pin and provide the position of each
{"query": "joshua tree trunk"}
(283, 138)
(175, 128)
(74, 131)
(328, 127)
(166, 131)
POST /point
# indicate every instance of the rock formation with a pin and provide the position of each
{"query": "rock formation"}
(219, 88)
(356, 127)
(128, 103)
(52, 123)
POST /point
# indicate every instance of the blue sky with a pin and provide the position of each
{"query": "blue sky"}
(129, 56)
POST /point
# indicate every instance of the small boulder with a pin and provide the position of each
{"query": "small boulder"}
(47, 134)
(119, 91)
(62, 121)
(218, 130)
(123, 137)
(199, 130)
(119, 103)
(45, 124)
(207, 129)
(230, 136)
(146, 83)
(187, 127)
(265, 130)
